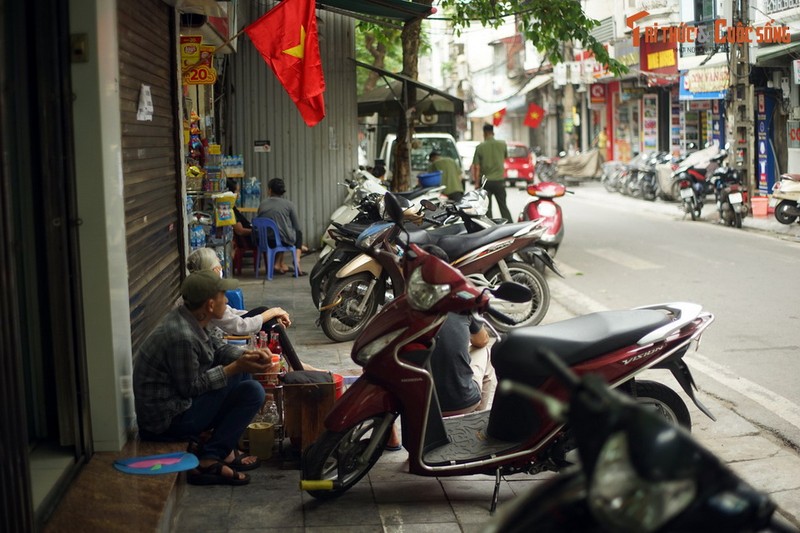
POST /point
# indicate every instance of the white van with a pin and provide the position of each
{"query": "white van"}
(421, 147)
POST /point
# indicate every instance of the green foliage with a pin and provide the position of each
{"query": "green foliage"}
(388, 37)
(547, 24)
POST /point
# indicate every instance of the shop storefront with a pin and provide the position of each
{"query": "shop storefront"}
(627, 120)
(702, 95)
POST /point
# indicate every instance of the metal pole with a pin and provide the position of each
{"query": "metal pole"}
(740, 102)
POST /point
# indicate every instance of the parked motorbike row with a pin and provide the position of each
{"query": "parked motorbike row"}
(637, 467)
(350, 283)
(689, 179)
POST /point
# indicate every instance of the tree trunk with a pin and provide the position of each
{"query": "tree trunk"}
(378, 51)
(401, 171)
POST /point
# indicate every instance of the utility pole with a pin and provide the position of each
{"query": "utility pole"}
(741, 129)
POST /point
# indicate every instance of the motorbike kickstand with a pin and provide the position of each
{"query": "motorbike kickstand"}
(496, 493)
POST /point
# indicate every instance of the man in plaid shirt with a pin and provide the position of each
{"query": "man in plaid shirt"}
(187, 382)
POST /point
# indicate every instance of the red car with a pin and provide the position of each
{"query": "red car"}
(519, 165)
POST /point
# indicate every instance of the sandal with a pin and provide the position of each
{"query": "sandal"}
(213, 474)
(239, 464)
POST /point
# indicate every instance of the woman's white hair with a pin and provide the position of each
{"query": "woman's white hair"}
(202, 259)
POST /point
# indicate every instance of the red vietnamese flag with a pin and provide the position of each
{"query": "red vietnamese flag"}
(286, 36)
(497, 118)
(534, 116)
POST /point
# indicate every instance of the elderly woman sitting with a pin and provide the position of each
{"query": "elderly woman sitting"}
(240, 322)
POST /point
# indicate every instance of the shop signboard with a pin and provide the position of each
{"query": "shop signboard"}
(718, 122)
(597, 92)
(765, 157)
(650, 122)
(197, 61)
(793, 133)
(705, 83)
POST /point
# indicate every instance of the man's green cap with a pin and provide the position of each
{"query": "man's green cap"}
(204, 285)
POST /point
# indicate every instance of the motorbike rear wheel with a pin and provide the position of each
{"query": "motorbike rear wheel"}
(340, 457)
(781, 212)
(664, 401)
(343, 322)
(693, 208)
(525, 314)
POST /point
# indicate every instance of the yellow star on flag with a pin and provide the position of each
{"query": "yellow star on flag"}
(299, 50)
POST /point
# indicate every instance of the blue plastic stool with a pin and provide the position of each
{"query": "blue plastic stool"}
(235, 298)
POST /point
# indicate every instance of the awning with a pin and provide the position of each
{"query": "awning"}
(486, 110)
(765, 53)
(537, 82)
(392, 9)
(516, 101)
(389, 99)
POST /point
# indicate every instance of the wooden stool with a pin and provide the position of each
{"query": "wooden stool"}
(306, 406)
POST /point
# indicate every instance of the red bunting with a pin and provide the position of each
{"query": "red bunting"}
(534, 116)
(497, 118)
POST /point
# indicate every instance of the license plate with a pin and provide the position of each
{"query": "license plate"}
(687, 193)
(735, 198)
(513, 173)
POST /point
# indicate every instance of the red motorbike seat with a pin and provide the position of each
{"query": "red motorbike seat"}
(575, 340)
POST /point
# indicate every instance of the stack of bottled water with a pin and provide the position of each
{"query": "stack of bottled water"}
(251, 192)
(197, 237)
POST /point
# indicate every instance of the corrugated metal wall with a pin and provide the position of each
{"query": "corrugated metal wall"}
(310, 160)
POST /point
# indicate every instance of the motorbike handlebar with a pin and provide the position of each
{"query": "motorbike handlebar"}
(502, 317)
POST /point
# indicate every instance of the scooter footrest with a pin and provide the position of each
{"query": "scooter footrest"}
(468, 441)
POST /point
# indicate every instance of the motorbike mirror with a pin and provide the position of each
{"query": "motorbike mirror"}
(513, 292)
(428, 205)
(393, 208)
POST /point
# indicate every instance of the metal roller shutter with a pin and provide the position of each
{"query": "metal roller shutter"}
(150, 162)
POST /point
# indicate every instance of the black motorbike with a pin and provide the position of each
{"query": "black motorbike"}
(638, 473)
(647, 186)
(730, 194)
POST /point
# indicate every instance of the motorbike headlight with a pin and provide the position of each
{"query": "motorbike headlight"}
(423, 295)
(475, 203)
(622, 501)
(369, 236)
(546, 209)
(366, 353)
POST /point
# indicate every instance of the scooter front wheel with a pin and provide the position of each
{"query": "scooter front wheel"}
(344, 318)
(343, 458)
(782, 212)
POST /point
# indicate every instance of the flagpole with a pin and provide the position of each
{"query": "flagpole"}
(230, 39)
(216, 49)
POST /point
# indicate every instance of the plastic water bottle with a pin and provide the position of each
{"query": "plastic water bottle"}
(271, 411)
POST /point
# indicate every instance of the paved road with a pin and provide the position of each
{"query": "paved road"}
(616, 255)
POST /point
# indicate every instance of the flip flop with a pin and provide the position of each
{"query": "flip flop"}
(239, 464)
(213, 475)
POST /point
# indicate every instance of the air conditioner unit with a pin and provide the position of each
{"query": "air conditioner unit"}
(433, 118)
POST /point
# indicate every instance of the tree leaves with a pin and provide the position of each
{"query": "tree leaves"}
(546, 24)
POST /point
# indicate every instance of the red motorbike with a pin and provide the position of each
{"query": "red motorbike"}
(543, 206)
(516, 435)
